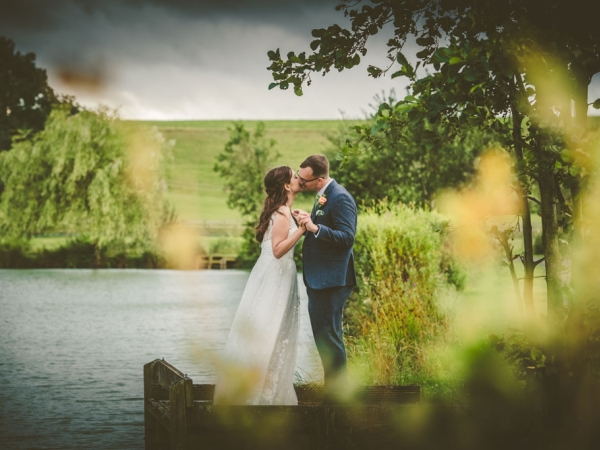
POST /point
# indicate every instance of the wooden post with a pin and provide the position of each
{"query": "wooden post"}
(178, 397)
(166, 428)
(150, 423)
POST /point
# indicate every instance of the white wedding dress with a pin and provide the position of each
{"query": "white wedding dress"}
(259, 360)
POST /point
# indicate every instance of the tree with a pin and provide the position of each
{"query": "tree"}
(401, 166)
(25, 97)
(86, 173)
(520, 68)
(243, 164)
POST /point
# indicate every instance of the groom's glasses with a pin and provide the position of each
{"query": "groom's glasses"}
(303, 181)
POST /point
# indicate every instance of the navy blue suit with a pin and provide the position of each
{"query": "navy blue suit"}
(328, 271)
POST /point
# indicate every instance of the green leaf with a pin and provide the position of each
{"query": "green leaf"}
(272, 85)
(401, 59)
(375, 72)
(455, 60)
(596, 104)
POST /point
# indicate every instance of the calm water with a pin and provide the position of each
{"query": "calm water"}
(73, 344)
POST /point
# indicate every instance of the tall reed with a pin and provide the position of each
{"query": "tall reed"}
(402, 266)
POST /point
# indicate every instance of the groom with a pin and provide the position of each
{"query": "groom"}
(328, 264)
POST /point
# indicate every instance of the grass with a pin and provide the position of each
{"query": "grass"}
(197, 192)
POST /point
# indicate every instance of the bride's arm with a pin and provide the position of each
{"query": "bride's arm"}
(279, 238)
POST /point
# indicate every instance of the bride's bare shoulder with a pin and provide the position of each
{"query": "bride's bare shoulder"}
(285, 211)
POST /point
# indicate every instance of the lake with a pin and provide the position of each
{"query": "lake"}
(73, 344)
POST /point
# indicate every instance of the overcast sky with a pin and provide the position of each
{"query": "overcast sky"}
(202, 59)
(190, 59)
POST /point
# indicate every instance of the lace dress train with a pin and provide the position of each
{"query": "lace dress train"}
(259, 360)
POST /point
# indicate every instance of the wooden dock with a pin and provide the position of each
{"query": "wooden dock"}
(217, 261)
(179, 415)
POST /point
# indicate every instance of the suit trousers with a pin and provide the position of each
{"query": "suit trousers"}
(325, 309)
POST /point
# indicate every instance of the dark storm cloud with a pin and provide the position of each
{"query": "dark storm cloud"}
(46, 15)
(85, 33)
(185, 59)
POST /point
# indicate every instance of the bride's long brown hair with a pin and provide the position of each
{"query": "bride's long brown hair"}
(275, 181)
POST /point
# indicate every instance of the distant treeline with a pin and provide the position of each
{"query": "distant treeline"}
(79, 253)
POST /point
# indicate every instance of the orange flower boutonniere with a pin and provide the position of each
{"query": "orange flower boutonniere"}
(322, 200)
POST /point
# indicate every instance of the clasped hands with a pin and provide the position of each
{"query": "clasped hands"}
(304, 220)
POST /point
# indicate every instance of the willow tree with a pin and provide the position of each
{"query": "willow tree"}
(520, 68)
(89, 174)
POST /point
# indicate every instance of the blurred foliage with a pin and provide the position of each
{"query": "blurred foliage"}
(86, 173)
(402, 264)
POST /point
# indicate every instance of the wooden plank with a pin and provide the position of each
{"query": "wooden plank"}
(178, 417)
(156, 414)
(204, 392)
(157, 436)
(303, 427)
(160, 411)
(217, 261)
(251, 427)
(314, 394)
(150, 422)
(163, 374)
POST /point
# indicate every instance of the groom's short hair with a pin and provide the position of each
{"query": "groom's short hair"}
(319, 165)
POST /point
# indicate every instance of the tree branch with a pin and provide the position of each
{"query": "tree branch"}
(535, 263)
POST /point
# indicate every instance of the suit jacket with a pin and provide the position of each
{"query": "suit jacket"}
(328, 259)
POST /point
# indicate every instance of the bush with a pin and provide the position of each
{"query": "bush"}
(402, 263)
(14, 254)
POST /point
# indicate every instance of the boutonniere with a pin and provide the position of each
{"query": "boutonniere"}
(320, 202)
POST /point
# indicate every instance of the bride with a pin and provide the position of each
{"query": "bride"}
(260, 354)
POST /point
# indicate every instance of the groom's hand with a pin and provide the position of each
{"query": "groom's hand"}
(307, 223)
(298, 213)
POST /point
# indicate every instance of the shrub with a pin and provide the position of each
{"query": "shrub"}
(402, 263)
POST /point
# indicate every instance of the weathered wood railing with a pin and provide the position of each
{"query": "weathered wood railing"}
(220, 261)
(179, 415)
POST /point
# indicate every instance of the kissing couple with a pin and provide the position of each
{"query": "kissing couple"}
(259, 360)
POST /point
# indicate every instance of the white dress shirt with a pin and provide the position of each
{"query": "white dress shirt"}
(320, 193)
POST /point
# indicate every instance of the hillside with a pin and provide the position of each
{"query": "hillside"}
(196, 190)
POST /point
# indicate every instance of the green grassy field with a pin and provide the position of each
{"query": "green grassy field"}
(196, 191)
